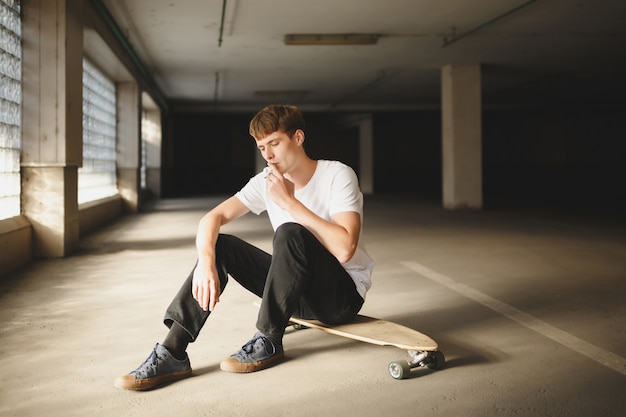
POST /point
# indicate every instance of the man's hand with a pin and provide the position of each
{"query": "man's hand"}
(280, 189)
(206, 287)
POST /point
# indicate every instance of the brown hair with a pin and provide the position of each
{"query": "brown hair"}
(274, 118)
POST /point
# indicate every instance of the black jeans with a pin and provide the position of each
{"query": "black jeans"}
(300, 278)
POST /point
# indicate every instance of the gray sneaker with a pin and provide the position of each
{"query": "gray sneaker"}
(160, 367)
(259, 353)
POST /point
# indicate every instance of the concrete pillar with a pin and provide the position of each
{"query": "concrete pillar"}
(129, 144)
(52, 54)
(363, 122)
(259, 162)
(152, 134)
(366, 155)
(461, 110)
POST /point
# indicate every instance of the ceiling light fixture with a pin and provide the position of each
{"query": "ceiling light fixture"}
(332, 39)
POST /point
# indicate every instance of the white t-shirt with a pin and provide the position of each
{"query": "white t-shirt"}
(333, 188)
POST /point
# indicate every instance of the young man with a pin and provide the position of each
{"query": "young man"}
(317, 268)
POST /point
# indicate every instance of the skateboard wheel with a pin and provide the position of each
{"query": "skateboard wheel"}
(399, 369)
(436, 360)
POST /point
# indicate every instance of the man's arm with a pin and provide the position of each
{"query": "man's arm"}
(206, 284)
(340, 235)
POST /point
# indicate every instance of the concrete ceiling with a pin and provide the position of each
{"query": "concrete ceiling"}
(531, 52)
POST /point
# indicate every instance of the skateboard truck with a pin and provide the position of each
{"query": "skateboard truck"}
(431, 359)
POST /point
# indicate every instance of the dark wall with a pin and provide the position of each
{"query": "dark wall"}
(564, 157)
(407, 153)
(328, 138)
(568, 157)
(210, 154)
(214, 154)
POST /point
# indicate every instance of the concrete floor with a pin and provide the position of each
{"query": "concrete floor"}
(528, 307)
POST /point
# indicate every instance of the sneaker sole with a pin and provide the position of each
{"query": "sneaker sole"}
(129, 382)
(233, 365)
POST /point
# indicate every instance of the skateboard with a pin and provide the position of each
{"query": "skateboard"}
(422, 350)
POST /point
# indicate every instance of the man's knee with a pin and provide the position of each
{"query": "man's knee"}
(289, 229)
(291, 235)
(290, 232)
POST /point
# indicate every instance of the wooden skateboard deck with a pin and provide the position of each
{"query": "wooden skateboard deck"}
(422, 350)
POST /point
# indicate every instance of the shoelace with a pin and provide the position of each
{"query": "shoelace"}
(147, 366)
(248, 348)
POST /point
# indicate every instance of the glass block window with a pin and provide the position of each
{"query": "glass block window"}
(97, 177)
(10, 107)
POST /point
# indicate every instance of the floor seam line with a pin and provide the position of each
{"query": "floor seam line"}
(593, 352)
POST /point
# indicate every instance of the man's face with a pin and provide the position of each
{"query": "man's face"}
(280, 150)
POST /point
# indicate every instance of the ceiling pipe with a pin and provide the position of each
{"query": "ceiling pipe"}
(154, 90)
(219, 40)
(447, 41)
